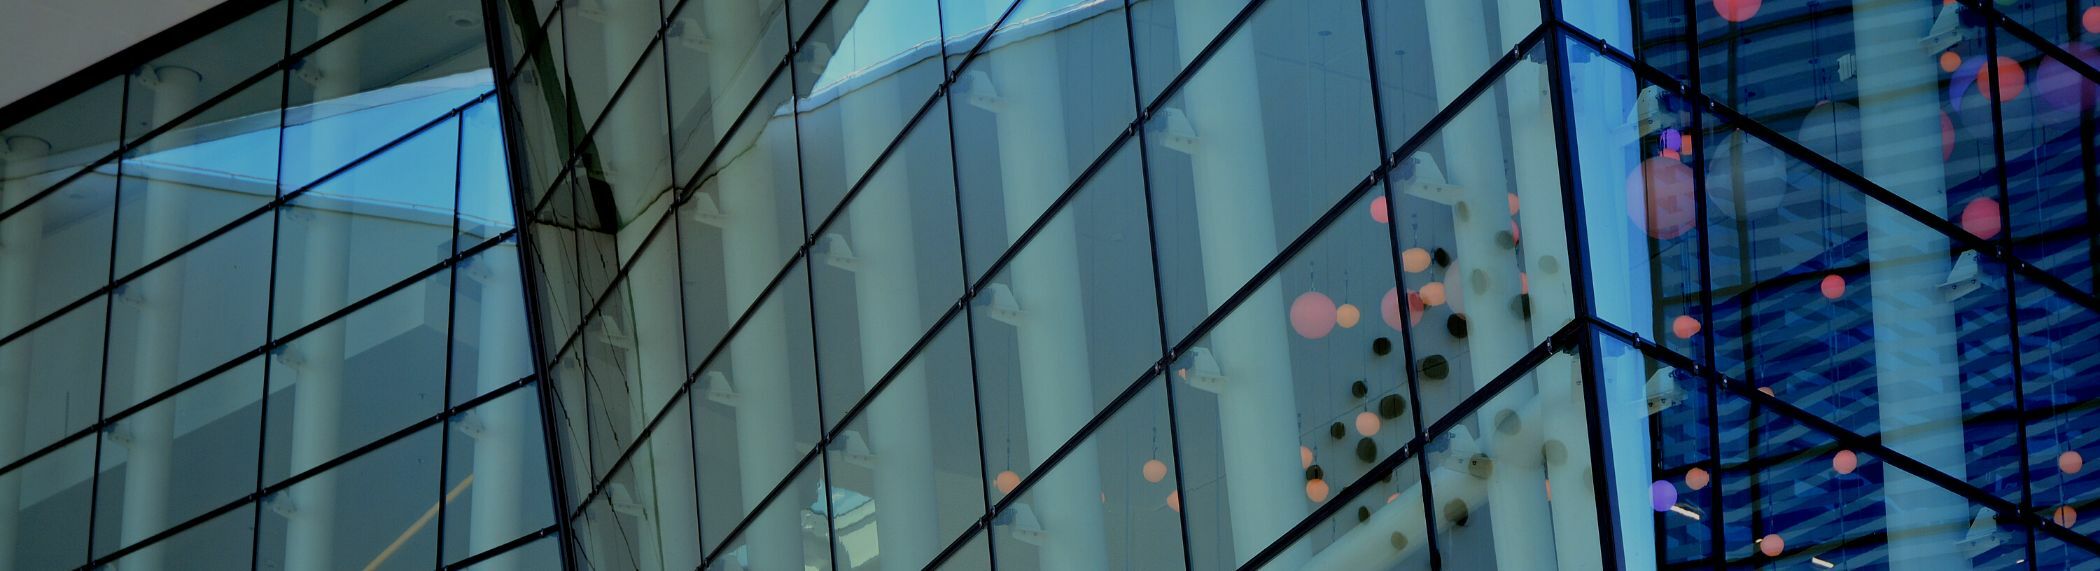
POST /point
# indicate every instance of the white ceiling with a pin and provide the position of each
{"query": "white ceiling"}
(43, 41)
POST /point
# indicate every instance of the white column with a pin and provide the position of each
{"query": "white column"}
(1474, 157)
(500, 448)
(1915, 367)
(317, 402)
(20, 238)
(151, 431)
(886, 291)
(751, 255)
(1257, 408)
(1051, 336)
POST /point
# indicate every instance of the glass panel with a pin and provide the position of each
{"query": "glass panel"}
(55, 142)
(912, 453)
(53, 381)
(1486, 272)
(737, 230)
(647, 518)
(1512, 483)
(720, 54)
(543, 554)
(2050, 160)
(1309, 379)
(187, 316)
(628, 156)
(525, 27)
(2057, 372)
(44, 508)
(794, 531)
(358, 233)
(1427, 52)
(760, 408)
(56, 250)
(484, 183)
(496, 472)
(1789, 494)
(1032, 113)
(888, 269)
(223, 542)
(1254, 149)
(1641, 197)
(859, 78)
(491, 344)
(183, 78)
(1128, 462)
(199, 177)
(977, 554)
(358, 378)
(1386, 522)
(390, 492)
(546, 123)
(1067, 326)
(369, 87)
(179, 458)
(606, 40)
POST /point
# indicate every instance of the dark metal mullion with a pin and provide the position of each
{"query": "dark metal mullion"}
(1159, 295)
(1561, 86)
(1568, 337)
(2012, 298)
(262, 429)
(1393, 246)
(318, 469)
(969, 294)
(1711, 352)
(1795, 151)
(557, 485)
(282, 198)
(759, 509)
(444, 457)
(108, 315)
(504, 548)
(1834, 431)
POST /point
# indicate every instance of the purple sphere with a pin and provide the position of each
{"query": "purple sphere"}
(1663, 494)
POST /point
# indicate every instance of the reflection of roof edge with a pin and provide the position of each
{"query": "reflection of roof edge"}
(264, 189)
(1030, 27)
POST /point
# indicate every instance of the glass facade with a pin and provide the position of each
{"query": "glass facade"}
(1062, 284)
(263, 305)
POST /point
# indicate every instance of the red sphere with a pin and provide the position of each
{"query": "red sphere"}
(1659, 198)
(1980, 217)
(1737, 10)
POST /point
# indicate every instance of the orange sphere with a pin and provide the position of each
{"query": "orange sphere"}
(1316, 490)
(1433, 294)
(1007, 481)
(1414, 260)
(1304, 457)
(1950, 61)
(1155, 471)
(1772, 545)
(1347, 316)
(1174, 501)
(2011, 79)
(2066, 516)
(1684, 327)
(1845, 462)
(2070, 462)
(1659, 198)
(1367, 423)
(1697, 479)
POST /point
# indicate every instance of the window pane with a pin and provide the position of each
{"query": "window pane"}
(44, 508)
(201, 176)
(496, 471)
(179, 458)
(913, 453)
(53, 381)
(187, 316)
(356, 379)
(373, 512)
(1114, 500)
(760, 409)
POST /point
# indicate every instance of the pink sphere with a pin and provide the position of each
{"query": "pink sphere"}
(2090, 19)
(1772, 545)
(1379, 211)
(1368, 424)
(1389, 308)
(1845, 462)
(1312, 315)
(1684, 327)
(1659, 198)
(2071, 462)
(1946, 136)
(1980, 217)
(1833, 286)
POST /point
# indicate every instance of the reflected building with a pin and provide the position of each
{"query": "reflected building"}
(1059, 284)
